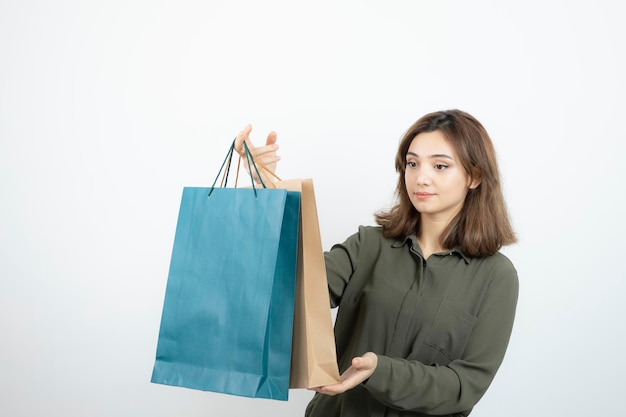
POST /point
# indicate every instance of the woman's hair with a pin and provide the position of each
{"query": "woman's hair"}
(482, 226)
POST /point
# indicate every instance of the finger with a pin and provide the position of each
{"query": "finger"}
(271, 138)
(267, 150)
(242, 136)
(268, 162)
(330, 389)
(266, 154)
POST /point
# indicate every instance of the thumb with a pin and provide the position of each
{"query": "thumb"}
(367, 361)
(358, 362)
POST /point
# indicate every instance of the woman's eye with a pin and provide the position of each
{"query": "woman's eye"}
(411, 164)
(441, 166)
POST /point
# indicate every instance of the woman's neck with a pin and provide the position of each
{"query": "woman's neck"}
(429, 237)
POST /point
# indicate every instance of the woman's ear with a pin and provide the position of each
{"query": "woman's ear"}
(475, 180)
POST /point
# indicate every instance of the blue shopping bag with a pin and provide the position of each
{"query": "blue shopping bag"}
(227, 316)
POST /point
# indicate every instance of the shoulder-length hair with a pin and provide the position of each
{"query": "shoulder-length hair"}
(482, 226)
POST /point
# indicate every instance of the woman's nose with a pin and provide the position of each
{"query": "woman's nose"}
(423, 178)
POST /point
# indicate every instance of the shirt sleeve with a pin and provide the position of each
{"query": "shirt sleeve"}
(414, 386)
(340, 263)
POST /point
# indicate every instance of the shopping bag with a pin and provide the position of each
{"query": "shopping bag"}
(313, 356)
(227, 317)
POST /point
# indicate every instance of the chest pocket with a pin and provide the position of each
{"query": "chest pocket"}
(449, 333)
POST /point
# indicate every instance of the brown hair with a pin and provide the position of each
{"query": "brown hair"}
(482, 226)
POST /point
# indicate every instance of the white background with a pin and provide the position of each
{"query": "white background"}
(107, 109)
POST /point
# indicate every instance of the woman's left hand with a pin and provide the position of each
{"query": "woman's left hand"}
(362, 368)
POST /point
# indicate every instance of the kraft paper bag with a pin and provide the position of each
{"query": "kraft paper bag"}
(314, 357)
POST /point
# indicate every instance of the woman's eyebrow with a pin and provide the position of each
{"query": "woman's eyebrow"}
(436, 155)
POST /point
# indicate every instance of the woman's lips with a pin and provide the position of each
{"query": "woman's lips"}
(423, 196)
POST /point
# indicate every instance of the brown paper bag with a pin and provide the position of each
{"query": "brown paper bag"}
(313, 357)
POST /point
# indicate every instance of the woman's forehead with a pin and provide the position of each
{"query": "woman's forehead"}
(429, 144)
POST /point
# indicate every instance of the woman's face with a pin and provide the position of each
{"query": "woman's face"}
(435, 180)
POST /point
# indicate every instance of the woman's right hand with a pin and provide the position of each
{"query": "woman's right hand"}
(263, 155)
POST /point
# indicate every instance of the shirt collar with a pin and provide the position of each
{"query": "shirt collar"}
(412, 241)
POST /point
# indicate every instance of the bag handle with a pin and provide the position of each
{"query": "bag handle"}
(271, 174)
(228, 162)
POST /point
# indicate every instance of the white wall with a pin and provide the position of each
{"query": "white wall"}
(107, 109)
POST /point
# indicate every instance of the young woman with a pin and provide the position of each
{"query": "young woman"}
(426, 300)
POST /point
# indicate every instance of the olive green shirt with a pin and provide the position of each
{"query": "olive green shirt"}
(440, 327)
